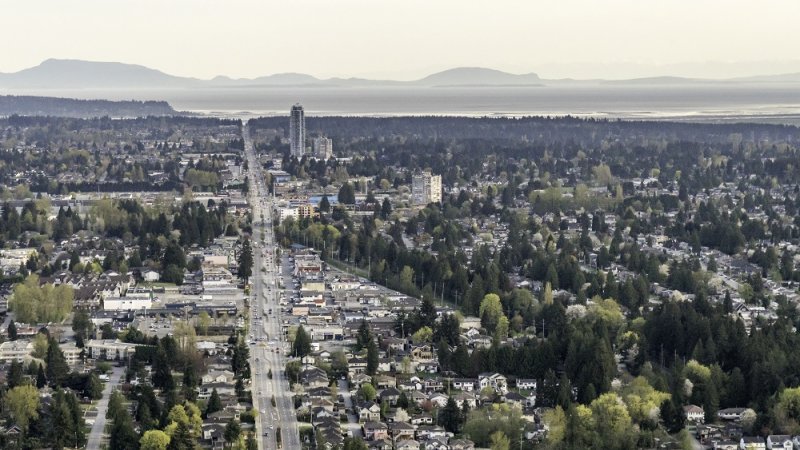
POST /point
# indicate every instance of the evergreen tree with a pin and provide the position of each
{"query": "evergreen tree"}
(57, 368)
(232, 432)
(14, 375)
(214, 403)
(324, 204)
(162, 374)
(450, 416)
(12, 331)
(245, 261)
(182, 438)
(386, 208)
(302, 343)
(41, 380)
(372, 357)
(347, 195)
(363, 336)
(123, 436)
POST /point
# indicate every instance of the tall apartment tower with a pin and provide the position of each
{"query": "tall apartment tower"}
(297, 131)
(426, 188)
(323, 148)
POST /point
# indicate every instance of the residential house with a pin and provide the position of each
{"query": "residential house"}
(464, 384)
(465, 397)
(461, 444)
(390, 395)
(495, 381)
(401, 430)
(438, 399)
(752, 443)
(379, 445)
(218, 376)
(375, 431)
(779, 441)
(694, 414)
(731, 413)
(407, 444)
(515, 399)
(369, 412)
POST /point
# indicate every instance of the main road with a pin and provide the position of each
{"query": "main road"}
(270, 387)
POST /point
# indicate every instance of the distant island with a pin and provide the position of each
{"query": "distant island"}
(27, 105)
(77, 74)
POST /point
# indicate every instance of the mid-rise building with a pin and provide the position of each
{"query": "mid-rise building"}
(323, 148)
(297, 131)
(426, 188)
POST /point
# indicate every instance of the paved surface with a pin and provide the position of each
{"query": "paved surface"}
(265, 328)
(352, 426)
(98, 429)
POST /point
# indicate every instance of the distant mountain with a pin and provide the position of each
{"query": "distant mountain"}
(76, 74)
(478, 76)
(70, 73)
(66, 107)
(278, 79)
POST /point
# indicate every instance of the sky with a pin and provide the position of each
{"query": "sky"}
(408, 39)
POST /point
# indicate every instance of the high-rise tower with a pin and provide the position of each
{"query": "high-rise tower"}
(297, 131)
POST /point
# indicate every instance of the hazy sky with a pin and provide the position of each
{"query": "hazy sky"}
(406, 39)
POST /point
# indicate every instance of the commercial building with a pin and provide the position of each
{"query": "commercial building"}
(297, 131)
(426, 188)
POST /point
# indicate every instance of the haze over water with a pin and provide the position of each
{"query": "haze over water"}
(767, 102)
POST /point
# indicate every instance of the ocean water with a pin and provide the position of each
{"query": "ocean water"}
(766, 102)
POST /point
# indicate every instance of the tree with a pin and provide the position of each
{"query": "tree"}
(547, 296)
(47, 303)
(787, 410)
(422, 336)
(556, 420)
(363, 336)
(203, 322)
(162, 373)
(450, 416)
(14, 375)
(324, 204)
(301, 346)
(81, 323)
(245, 261)
(41, 379)
(22, 402)
(672, 415)
(57, 367)
(154, 440)
(367, 392)
(386, 208)
(347, 195)
(12, 331)
(611, 416)
(354, 444)
(181, 438)
(500, 441)
(491, 310)
(232, 432)
(372, 357)
(214, 403)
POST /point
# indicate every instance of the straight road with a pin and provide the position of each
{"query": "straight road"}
(95, 438)
(267, 355)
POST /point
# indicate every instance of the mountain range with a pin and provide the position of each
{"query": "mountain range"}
(78, 74)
